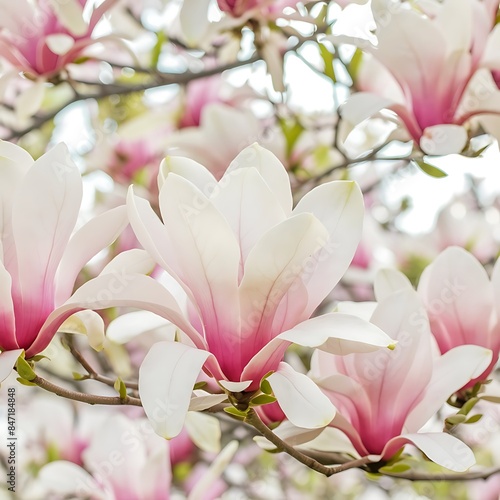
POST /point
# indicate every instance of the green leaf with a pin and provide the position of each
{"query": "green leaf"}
(39, 357)
(24, 369)
(199, 385)
(292, 129)
(79, 376)
(327, 57)
(234, 412)
(397, 468)
(156, 51)
(467, 407)
(473, 419)
(120, 388)
(354, 64)
(265, 387)
(430, 169)
(23, 381)
(263, 399)
(456, 419)
(491, 399)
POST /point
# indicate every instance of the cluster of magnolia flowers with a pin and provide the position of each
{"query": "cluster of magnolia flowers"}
(239, 274)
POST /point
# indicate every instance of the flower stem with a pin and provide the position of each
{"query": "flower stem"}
(253, 419)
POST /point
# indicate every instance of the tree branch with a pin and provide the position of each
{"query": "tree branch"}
(83, 397)
(254, 420)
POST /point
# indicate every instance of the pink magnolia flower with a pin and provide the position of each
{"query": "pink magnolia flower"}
(116, 465)
(42, 38)
(253, 271)
(384, 398)
(39, 257)
(432, 68)
(222, 133)
(462, 304)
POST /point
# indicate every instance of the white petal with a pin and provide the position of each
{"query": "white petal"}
(191, 170)
(218, 466)
(60, 43)
(235, 386)
(339, 206)
(388, 281)
(88, 323)
(235, 199)
(130, 261)
(204, 430)
(272, 268)
(206, 252)
(271, 170)
(7, 361)
(70, 15)
(89, 240)
(443, 449)
(128, 326)
(30, 100)
(363, 105)
(300, 398)
(200, 403)
(338, 333)
(194, 20)
(440, 140)
(131, 290)
(166, 379)
(44, 214)
(66, 478)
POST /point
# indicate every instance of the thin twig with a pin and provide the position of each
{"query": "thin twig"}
(83, 397)
(93, 374)
(254, 420)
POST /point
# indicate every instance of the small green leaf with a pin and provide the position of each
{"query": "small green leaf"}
(265, 387)
(467, 407)
(240, 415)
(397, 468)
(456, 419)
(327, 57)
(120, 388)
(199, 385)
(354, 64)
(156, 51)
(24, 369)
(39, 357)
(23, 381)
(79, 376)
(429, 169)
(491, 399)
(473, 419)
(263, 399)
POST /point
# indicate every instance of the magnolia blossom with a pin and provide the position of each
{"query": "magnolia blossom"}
(223, 132)
(39, 258)
(463, 305)
(384, 398)
(432, 67)
(41, 38)
(253, 271)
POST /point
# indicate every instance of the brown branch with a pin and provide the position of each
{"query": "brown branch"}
(91, 373)
(253, 419)
(83, 397)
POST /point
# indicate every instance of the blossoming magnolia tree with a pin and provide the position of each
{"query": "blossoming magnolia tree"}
(230, 228)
